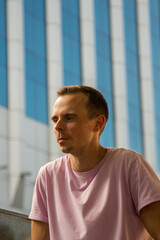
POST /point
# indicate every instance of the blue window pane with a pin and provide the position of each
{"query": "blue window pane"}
(36, 8)
(41, 106)
(67, 53)
(29, 32)
(103, 60)
(39, 38)
(132, 73)
(35, 60)
(71, 42)
(3, 87)
(154, 7)
(155, 46)
(70, 79)
(28, 5)
(40, 70)
(3, 56)
(30, 65)
(30, 103)
(2, 18)
(39, 9)
(72, 5)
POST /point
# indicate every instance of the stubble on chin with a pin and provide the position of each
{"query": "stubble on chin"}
(65, 149)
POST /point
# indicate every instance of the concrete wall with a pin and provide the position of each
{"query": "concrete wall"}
(14, 226)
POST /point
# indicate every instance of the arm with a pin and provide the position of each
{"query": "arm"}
(39, 230)
(150, 216)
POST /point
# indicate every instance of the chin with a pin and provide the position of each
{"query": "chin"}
(65, 150)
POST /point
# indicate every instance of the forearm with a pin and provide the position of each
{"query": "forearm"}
(39, 230)
(150, 216)
(158, 237)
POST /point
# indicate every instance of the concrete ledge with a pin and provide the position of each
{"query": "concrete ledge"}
(14, 226)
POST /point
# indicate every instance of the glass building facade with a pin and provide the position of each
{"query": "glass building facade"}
(155, 47)
(71, 42)
(3, 55)
(35, 60)
(132, 76)
(103, 62)
(80, 37)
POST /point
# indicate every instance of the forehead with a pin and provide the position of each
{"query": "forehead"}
(70, 102)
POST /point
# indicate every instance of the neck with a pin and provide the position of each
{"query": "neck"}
(88, 160)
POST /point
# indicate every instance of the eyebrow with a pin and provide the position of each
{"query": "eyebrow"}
(64, 115)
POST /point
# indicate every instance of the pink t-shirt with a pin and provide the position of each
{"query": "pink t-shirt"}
(103, 203)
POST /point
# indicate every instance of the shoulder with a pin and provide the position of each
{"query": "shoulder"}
(132, 163)
(54, 167)
(49, 175)
(125, 155)
(129, 160)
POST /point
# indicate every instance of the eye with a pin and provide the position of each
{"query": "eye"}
(54, 119)
(68, 118)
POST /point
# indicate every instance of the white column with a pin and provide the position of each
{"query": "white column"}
(87, 25)
(15, 92)
(119, 73)
(145, 60)
(54, 63)
(3, 156)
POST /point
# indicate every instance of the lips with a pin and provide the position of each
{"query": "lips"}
(62, 139)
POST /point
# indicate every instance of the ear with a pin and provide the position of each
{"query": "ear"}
(100, 123)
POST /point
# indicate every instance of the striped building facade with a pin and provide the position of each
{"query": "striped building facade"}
(112, 45)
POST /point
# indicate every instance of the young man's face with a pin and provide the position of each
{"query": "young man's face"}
(73, 129)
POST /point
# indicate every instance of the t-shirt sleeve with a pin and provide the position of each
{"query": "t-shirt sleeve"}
(144, 183)
(39, 201)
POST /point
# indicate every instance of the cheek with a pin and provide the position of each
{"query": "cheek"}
(54, 130)
(84, 130)
(72, 127)
(77, 129)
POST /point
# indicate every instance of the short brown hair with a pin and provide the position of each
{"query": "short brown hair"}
(96, 103)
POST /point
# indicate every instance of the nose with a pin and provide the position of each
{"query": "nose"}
(59, 126)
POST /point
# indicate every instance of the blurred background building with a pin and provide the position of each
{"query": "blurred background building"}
(112, 45)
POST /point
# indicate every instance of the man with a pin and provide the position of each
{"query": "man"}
(93, 192)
